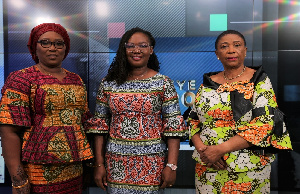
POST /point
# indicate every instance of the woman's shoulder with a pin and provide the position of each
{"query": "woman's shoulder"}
(73, 77)
(22, 74)
(162, 77)
(162, 80)
(72, 74)
(24, 71)
(20, 80)
(158, 75)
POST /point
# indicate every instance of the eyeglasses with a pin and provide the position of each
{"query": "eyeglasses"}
(131, 46)
(47, 44)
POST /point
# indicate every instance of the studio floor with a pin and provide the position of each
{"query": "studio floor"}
(94, 190)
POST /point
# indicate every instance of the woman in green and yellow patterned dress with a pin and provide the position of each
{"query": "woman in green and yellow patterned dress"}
(235, 124)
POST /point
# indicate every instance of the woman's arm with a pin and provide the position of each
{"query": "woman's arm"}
(100, 172)
(199, 145)
(173, 127)
(11, 146)
(169, 175)
(233, 144)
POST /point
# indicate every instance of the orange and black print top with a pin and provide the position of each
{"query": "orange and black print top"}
(52, 113)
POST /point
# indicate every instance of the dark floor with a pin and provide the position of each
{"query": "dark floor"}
(93, 190)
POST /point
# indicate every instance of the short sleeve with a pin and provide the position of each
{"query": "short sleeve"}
(100, 122)
(15, 101)
(173, 122)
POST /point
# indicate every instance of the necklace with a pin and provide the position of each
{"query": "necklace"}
(235, 76)
(49, 73)
(140, 76)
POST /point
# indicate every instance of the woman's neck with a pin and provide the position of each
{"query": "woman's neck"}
(50, 70)
(233, 73)
(138, 73)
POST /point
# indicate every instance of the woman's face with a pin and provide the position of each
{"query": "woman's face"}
(138, 50)
(51, 56)
(231, 50)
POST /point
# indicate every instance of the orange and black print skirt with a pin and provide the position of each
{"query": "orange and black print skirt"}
(55, 178)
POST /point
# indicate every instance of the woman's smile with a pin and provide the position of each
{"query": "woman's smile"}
(136, 58)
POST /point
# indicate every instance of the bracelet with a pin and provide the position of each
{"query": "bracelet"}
(19, 187)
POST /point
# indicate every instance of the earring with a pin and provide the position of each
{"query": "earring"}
(218, 58)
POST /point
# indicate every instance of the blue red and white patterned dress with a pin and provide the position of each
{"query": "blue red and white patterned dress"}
(52, 113)
(138, 115)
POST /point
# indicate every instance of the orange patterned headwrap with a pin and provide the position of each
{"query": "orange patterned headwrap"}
(37, 31)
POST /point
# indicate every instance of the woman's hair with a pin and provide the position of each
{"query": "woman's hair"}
(120, 68)
(229, 32)
(39, 30)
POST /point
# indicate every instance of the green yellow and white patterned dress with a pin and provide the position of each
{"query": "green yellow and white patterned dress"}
(244, 108)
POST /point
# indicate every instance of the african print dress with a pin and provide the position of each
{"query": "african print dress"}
(247, 109)
(138, 115)
(52, 113)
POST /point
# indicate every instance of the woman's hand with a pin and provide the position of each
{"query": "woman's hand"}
(211, 154)
(100, 171)
(219, 165)
(168, 177)
(11, 148)
(100, 177)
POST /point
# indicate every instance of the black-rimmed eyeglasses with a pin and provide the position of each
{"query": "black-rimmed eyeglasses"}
(47, 44)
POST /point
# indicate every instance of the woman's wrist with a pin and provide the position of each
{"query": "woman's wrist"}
(15, 186)
(201, 148)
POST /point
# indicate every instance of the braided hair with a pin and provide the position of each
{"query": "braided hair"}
(120, 67)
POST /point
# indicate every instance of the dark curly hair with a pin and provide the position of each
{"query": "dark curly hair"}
(120, 68)
(229, 32)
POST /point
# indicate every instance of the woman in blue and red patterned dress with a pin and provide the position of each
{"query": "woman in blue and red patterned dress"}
(42, 112)
(138, 108)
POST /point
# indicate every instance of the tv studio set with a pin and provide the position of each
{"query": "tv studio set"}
(185, 32)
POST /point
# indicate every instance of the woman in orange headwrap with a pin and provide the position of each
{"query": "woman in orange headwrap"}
(42, 114)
